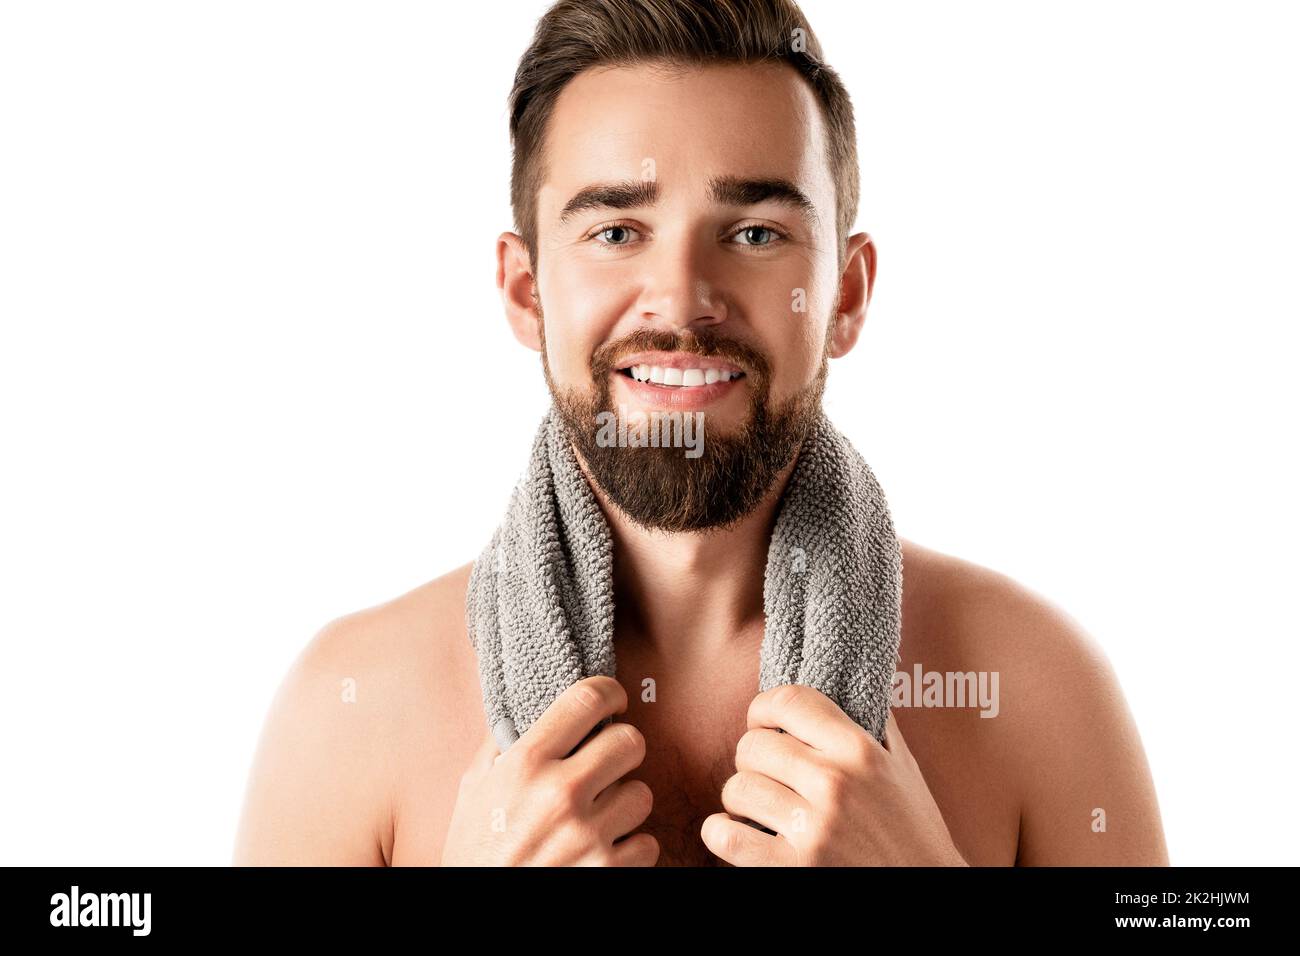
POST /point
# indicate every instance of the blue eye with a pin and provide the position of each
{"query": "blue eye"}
(614, 228)
(752, 229)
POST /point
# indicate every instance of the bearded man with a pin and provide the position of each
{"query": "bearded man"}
(588, 691)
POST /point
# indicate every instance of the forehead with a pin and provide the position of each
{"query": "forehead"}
(758, 120)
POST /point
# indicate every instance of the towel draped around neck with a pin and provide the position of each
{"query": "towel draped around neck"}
(540, 606)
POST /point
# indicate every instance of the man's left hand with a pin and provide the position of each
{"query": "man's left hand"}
(829, 791)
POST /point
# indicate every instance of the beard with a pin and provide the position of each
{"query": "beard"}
(663, 489)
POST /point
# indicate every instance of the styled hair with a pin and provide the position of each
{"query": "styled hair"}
(575, 35)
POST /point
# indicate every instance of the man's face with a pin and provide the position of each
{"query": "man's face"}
(697, 262)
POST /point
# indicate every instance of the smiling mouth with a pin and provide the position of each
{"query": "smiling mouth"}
(673, 377)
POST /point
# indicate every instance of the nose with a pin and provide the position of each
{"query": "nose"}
(678, 290)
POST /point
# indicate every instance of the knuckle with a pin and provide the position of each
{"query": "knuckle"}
(788, 694)
(731, 839)
(746, 744)
(760, 798)
(651, 852)
(609, 690)
(834, 784)
(865, 753)
(640, 792)
(587, 698)
(728, 789)
(632, 738)
(737, 787)
(560, 794)
(581, 833)
(523, 755)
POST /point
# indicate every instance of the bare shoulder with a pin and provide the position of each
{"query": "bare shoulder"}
(1063, 737)
(370, 691)
(977, 611)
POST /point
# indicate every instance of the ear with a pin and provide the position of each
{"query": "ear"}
(856, 284)
(518, 290)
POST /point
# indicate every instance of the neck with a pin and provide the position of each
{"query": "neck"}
(685, 593)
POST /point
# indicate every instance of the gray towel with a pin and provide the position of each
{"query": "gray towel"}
(540, 606)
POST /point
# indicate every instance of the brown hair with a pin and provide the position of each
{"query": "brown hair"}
(574, 35)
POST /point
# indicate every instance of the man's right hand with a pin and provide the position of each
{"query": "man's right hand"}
(555, 798)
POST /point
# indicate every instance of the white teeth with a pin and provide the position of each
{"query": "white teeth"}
(680, 377)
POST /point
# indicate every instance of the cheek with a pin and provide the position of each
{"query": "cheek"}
(577, 313)
(797, 355)
(567, 354)
(794, 334)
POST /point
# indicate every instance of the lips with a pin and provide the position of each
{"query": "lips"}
(649, 394)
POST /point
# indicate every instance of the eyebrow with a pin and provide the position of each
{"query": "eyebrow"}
(725, 190)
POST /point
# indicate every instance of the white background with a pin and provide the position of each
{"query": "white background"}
(255, 372)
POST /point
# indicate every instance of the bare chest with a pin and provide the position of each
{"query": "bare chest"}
(692, 717)
(688, 761)
(692, 727)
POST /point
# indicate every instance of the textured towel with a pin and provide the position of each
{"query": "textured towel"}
(540, 606)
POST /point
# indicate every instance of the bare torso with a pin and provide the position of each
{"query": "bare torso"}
(380, 774)
(691, 729)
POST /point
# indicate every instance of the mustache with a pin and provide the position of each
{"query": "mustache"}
(703, 342)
